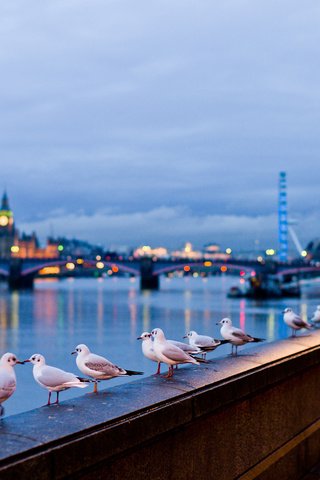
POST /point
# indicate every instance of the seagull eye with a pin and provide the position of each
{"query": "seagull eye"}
(14, 359)
(8, 359)
(38, 360)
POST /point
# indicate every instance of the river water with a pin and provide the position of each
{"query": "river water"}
(109, 314)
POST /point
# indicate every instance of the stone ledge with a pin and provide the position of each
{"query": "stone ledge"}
(126, 416)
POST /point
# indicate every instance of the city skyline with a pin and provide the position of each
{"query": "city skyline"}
(160, 123)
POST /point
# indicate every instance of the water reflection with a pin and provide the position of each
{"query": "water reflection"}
(108, 315)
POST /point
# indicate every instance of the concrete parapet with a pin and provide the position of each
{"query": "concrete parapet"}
(255, 416)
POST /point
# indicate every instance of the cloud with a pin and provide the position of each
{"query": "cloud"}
(195, 107)
(169, 227)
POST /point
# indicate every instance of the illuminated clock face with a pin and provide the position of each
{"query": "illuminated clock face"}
(4, 221)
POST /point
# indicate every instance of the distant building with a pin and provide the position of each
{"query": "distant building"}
(27, 246)
(7, 228)
(147, 251)
(212, 251)
(16, 246)
(187, 253)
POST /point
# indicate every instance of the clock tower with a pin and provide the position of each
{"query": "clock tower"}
(7, 229)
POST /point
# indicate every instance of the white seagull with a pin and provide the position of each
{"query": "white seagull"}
(203, 342)
(234, 335)
(52, 378)
(97, 367)
(147, 349)
(316, 315)
(294, 321)
(170, 354)
(8, 380)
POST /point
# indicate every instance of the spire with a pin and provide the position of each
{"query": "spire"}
(5, 202)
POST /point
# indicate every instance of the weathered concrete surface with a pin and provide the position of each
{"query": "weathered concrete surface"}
(255, 416)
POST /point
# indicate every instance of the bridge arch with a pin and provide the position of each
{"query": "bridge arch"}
(33, 269)
(178, 267)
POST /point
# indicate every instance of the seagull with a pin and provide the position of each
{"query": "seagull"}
(147, 349)
(203, 342)
(8, 380)
(294, 321)
(97, 367)
(52, 378)
(316, 315)
(170, 354)
(234, 335)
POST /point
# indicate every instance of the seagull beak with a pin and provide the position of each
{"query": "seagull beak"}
(185, 336)
(139, 338)
(20, 363)
(25, 361)
(73, 353)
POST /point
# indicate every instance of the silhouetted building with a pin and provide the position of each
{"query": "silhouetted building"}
(313, 250)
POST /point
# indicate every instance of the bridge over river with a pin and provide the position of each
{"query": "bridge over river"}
(268, 279)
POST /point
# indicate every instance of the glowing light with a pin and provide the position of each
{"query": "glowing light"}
(146, 248)
(195, 274)
(228, 251)
(207, 264)
(253, 273)
(98, 258)
(304, 253)
(15, 249)
(186, 268)
(60, 248)
(242, 273)
(70, 266)
(4, 221)
(223, 268)
(100, 265)
(109, 272)
(242, 280)
(80, 261)
(270, 251)
(115, 269)
(49, 271)
(260, 259)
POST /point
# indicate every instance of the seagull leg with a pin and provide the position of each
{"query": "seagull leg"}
(1, 410)
(158, 370)
(95, 388)
(49, 398)
(236, 350)
(170, 372)
(57, 401)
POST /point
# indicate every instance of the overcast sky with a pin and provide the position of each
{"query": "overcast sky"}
(160, 121)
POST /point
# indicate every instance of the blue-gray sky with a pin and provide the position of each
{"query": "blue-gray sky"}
(160, 121)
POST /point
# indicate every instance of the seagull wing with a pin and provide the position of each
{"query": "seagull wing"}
(299, 322)
(241, 335)
(52, 376)
(174, 353)
(203, 341)
(102, 365)
(185, 346)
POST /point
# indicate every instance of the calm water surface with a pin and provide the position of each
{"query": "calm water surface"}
(109, 314)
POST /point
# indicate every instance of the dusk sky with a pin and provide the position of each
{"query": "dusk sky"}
(160, 122)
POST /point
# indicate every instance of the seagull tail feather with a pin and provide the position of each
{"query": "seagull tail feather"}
(133, 372)
(87, 380)
(200, 360)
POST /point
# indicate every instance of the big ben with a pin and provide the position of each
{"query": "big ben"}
(7, 230)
